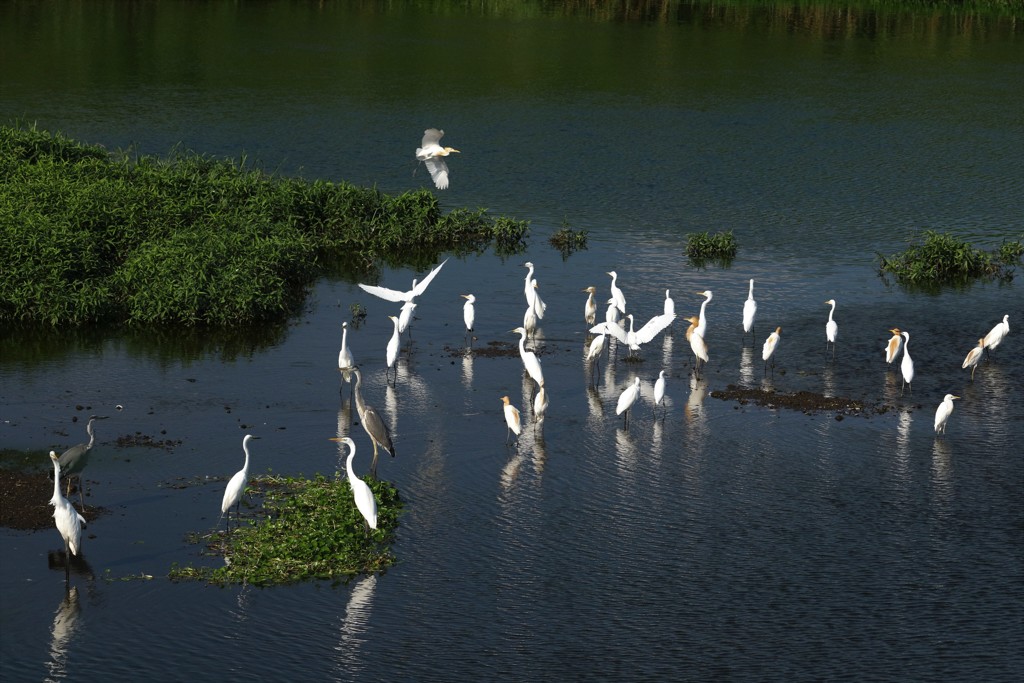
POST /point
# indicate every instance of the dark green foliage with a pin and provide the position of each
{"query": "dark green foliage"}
(86, 236)
(943, 259)
(703, 246)
(307, 530)
(567, 240)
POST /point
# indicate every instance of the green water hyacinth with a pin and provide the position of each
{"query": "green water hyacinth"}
(944, 259)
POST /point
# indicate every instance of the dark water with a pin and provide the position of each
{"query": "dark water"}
(726, 541)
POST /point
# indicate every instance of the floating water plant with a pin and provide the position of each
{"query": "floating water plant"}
(944, 259)
(305, 529)
(89, 236)
(703, 246)
(567, 240)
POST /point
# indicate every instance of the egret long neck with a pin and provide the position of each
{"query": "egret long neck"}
(56, 481)
(348, 465)
(92, 436)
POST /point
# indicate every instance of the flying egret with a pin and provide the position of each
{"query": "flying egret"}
(540, 404)
(768, 350)
(590, 308)
(392, 354)
(659, 390)
(831, 328)
(361, 493)
(627, 398)
(634, 338)
(236, 486)
(373, 424)
(892, 349)
(418, 288)
(530, 360)
(345, 360)
(69, 522)
(511, 419)
(530, 289)
(702, 327)
(432, 154)
(469, 314)
(943, 412)
(617, 296)
(907, 365)
(974, 356)
(74, 459)
(749, 311)
(697, 345)
(996, 335)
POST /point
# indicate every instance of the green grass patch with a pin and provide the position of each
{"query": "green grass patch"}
(702, 247)
(566, 240)
(944, 259)
(304, 529)
(90, 236)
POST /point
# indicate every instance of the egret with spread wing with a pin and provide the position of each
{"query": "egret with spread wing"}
(432, 154)
(418, 287)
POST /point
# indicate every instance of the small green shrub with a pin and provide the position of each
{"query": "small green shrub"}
(703, 246)
(943, 259)
(567, 240)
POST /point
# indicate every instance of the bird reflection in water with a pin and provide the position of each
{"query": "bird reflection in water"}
(747, 366)
(66, 623)
(467, 369)
(355, 623)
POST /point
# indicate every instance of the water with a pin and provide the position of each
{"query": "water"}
(725, 541)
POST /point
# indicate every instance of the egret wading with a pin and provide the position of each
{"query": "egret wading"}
(530, 290)
(617, 296)
(974, 357)
(590, 307)
(392, 352)
(361, 493)
(236, 487)
(626, 400)
(345, 360)
(895, 343)
(74, 459)
(697, 345)
(469, 315)
(418, 288)
(749, 312)
(702, 326)
(659, 392)
(768, 350)
(432, 154)
(831, 328)
(635, 338)
(373, 425)
(943, 412)
(594, 352)
(511, 419)
(69, 523)
(530, 360)
(997, 334)
(907, 365)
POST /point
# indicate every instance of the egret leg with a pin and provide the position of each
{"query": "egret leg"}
(373, 465)
(67, 563)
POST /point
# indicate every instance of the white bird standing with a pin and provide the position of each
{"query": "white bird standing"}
(768, 350)
(595, 349)
(432, 154)
(511, 419)
(538, 304)
(749, 311)
(590, 308)
(895, 343)
(540, 404)
(702, 326)
(974, 357)
(530, 360)
(345, 359)
(617, 296)
(627, 398)
(405, 317)
(469, 314)
(530, 289)
(996, 335)
(418, 288)
(392, 352)
(697, 345)
(943, 412)
(361, 492)
(659, 390)
(530, 321)
(69, 523)
(831, 328)
(907, 365)
(236, 486)
(634, 338)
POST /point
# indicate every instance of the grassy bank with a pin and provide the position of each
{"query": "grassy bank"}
(88, 236)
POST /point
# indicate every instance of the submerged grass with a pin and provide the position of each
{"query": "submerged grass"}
(944, 259)
(306, 529)
(89, 236)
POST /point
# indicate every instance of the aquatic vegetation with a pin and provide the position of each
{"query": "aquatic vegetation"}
(91, 236)
(944, 259)
(703, 246)
(307, 529)
(567, 240)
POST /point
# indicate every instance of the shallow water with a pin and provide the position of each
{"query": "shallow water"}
(723, 541)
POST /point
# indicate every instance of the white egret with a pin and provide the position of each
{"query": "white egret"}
(361, 493)
(670, 305)
(590, 308)
(768, 350)
(418, 288)
(659, 390)
(74, 459)
(540, 404)
(595, 349)
(996, 335)
(392, 352)
(702, 327)
(469, 313)
(831, 328)
(511, 419)
(530, 321)
(634, 338)
(626, 400)
(694, 321)
(973, 357)
(907, 365)
(749, 311)
(533, 299)
(943, 412)
(530, 360)
(697, 345)
(373, 424)
(892, 348)
(69, 523)
(432, 154)
(611, 315)
(405, 317)
(617, 296)
(345, 359)
(236, 486)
